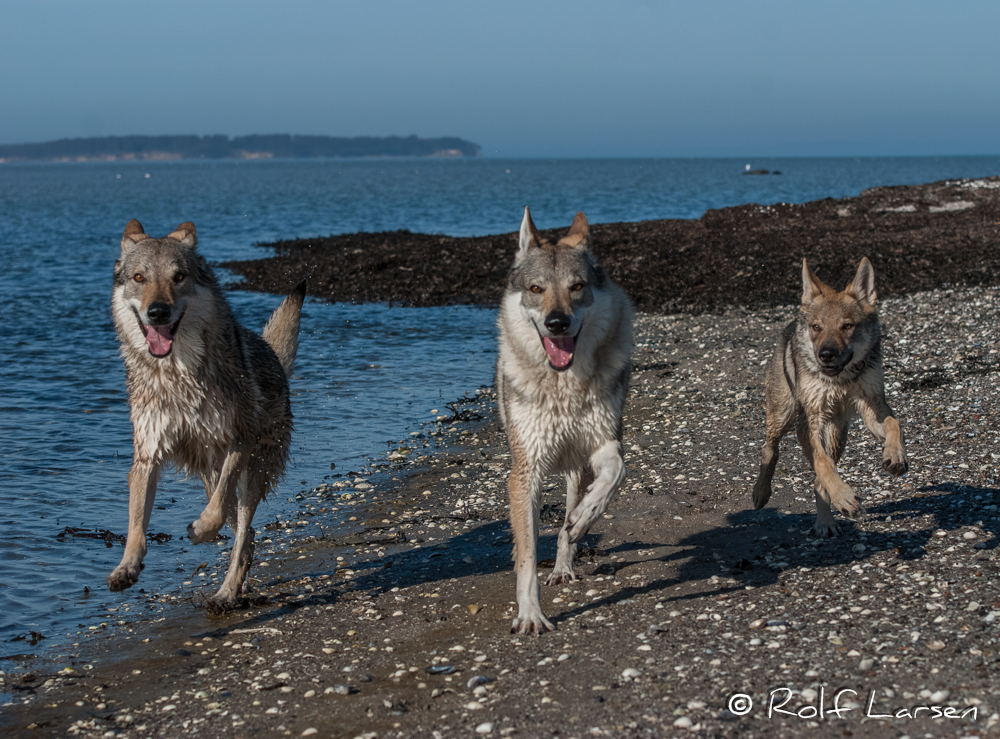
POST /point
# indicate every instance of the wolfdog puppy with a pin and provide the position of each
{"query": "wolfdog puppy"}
(205, 394)
(826, 369)
(562, 375)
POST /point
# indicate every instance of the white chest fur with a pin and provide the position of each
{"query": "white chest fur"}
(558, 419)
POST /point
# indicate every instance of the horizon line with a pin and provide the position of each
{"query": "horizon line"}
(528, 157)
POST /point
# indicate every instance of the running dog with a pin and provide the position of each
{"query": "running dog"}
(562, 374)
(826, 369)
(205, 394)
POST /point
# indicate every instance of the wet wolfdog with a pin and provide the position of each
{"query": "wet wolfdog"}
(205, 394)
(826, 369)
(562, 375)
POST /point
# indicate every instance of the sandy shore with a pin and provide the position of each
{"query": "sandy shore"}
(687, 598)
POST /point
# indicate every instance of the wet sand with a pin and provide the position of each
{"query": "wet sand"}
(687, 596)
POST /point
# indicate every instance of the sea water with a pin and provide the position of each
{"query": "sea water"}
(366, 374)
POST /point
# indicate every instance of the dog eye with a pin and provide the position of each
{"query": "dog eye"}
(535, 289)
(138, 277)
(179, 277)
(577, 287)
(847, 326)
(816, 327)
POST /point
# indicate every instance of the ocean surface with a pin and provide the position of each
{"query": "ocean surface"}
(366, 374)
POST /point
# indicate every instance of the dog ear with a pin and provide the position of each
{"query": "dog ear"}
(863, 285)
(579, 233)
(812, 288)
(185, 234)
(529, 235)
(134, 233)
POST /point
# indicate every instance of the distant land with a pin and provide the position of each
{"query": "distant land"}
(161, 148)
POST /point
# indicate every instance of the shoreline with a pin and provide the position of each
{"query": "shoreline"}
(687, 596)
(289, 529)
(917, 238)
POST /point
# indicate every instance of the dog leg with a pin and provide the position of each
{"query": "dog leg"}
(779, 421)
(878, 418)
(207, 525)
(210, 481)
(241, 557)
(141, 493)
(768, 462)
(566, 550)
(816, 437)
(609, 472)
(781, 416)
(525, 492)
(825, 527)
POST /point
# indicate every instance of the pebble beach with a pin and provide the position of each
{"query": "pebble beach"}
(694, 614)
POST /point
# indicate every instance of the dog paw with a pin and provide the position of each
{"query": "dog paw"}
(580, 520)
(199, 533)
(846, 502)
(536, 624)
(894, 462)
(217, 606)
(826, 529)
(124, 576)
(561, 578)
(761, 494)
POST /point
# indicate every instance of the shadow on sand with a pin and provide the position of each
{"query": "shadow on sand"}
(754, 548)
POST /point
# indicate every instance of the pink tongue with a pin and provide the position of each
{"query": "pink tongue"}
(159, 339)
(559, 349)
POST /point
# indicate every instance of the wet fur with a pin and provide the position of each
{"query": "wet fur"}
(827, 369)
(216, 406)
(560, 420)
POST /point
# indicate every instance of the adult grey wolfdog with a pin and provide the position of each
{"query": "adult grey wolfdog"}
(827, 368)
(204, 393)
(562, 375)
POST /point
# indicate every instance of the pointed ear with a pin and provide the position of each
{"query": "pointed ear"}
(134, 233)
(864, 283)
(812, 288)
(185, 234)
(579, 233)
(529, 235)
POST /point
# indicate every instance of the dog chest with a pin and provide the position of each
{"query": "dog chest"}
(563, 427)
(177, 417)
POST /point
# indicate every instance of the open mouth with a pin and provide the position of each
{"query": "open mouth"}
(833, 370)
(159, 339)
(559, 350)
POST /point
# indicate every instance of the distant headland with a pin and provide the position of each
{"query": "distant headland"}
(271, 146)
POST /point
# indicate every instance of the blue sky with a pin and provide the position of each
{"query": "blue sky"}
(522, 79)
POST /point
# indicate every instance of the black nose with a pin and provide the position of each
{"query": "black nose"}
(557, 322)
(827, 354)
(158, 313)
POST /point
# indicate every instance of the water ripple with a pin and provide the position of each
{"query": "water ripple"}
(366, 374)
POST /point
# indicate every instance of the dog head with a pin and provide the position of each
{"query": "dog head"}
(841, 327)
(155, 280)
(556, 284)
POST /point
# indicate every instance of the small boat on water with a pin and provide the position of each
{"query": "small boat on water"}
(759, 171)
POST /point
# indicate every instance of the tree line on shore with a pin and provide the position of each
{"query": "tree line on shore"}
(112, 148)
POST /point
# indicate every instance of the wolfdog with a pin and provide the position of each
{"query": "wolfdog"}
(562, 375)
(204, 393)
(826, 368)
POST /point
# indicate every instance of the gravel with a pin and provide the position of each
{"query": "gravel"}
(694, 614)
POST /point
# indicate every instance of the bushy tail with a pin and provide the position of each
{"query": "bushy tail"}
(282, 329)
